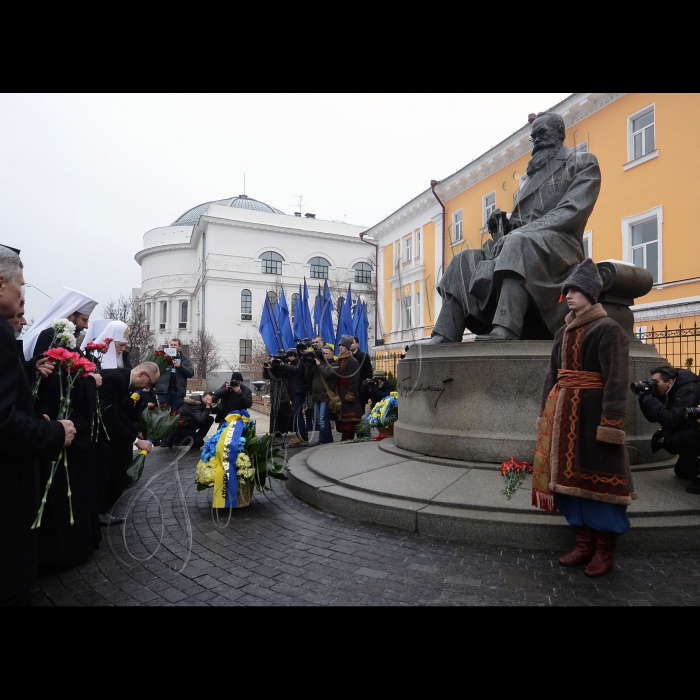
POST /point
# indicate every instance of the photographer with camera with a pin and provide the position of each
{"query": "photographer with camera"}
(280, 400)
(172, 386)
(324, 379)
(377, 388)
(295, 370)
(232, 396)
(664, 399)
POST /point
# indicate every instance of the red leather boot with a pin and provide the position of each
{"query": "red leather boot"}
(583, 550)
(603, 558)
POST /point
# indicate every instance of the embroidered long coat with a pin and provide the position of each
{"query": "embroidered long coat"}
(588, 453)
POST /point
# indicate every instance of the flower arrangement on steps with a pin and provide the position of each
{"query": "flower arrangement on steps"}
(235, 461)
(382, 417)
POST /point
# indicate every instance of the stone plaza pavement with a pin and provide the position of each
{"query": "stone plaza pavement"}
(281, 551)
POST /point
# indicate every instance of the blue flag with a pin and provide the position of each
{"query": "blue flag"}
(268, 329)
(308, 325)
(360, 325)
(344, 318)
(326, 324)
(284, 322)
(299, 316)
(318, 308)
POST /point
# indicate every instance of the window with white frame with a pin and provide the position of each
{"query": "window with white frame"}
(588, 244)
(418, 315)
(363, 273)
(581, 147)
(184, 308)
(489, 206)
(642, 241)
(163, 314)
(407, 308)
(418, 241)
(245, 350)
(457, 226)
(640, 127)
(148, 317)
(397, 253)
(408, 249)
(397, 315)
(246, 305)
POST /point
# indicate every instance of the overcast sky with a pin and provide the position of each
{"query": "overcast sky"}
(83, 177)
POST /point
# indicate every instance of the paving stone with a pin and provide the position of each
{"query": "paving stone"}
(281, 551)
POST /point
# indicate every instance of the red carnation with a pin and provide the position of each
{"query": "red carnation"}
(173, 413)
(83, 366)
(91, 346)
(59, 354)
(108, 340)
(182, 421)
(164, 404)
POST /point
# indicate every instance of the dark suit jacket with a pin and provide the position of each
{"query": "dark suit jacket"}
(119, 413)
(23, 439)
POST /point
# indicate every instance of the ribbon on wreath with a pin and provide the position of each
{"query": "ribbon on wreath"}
(226, 479)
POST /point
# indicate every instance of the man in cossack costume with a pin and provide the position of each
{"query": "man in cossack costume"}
(581, 466)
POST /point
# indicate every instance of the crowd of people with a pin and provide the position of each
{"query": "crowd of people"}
(314, 384)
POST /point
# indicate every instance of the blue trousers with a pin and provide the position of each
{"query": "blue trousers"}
(584, 512)
(323, 422)
(172, 398)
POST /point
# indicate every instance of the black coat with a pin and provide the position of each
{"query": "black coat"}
(365, 364)
(23, 439)
(669, 410)
(229, 400)
(376, 393)
(60, 543)
(194, 413)
(119, 413)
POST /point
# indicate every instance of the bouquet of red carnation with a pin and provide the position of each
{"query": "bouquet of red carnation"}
(162, 359)
(75, 366)
(514, 472)
(156, 424)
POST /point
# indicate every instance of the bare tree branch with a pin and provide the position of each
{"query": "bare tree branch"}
(205, 353)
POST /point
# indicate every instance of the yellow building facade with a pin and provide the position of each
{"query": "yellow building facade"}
(645, 145)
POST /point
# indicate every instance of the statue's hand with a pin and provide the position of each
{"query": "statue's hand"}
(498, 224)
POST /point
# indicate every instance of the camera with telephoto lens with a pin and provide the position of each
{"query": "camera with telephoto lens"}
(234, 382)
(371, 382)
(303, 344)
(692, 412)
(644, 385)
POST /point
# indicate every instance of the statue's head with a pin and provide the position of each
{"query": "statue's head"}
(548, 131)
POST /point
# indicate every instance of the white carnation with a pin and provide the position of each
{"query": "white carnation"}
(67, 339)
(63, 325)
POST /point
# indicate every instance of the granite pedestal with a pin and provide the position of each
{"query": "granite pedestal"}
(479, 401)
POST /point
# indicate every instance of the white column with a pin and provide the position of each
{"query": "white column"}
(439, 239)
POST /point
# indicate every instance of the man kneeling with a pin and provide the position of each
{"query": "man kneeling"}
(195, 420)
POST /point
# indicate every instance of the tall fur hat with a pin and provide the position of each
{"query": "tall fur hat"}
(586, 279)
(346, 340)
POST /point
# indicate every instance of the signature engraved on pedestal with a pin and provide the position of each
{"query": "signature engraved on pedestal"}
(405, 391)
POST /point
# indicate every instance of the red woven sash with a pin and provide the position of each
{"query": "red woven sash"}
(542, 495)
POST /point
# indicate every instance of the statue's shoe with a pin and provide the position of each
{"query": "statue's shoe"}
(437, 339)
(498, 333)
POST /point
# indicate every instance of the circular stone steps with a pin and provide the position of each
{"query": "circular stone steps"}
(380, 483)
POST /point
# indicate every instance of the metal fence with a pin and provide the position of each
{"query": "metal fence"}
(388, 360)
(678, 345)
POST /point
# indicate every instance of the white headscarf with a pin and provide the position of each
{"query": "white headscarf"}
(68, 301)
(117, 331)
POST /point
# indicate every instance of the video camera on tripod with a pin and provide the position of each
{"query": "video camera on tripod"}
(303, 346)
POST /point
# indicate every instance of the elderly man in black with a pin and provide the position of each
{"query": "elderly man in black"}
(510, 289)
(23, 439)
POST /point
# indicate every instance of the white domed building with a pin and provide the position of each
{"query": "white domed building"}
(211, 268)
